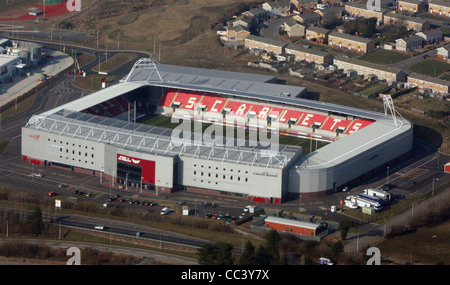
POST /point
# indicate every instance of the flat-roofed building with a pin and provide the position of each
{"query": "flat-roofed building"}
(350, 42)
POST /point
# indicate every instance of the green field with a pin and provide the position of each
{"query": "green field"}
(306, 144)
(430, 67)
(383, 56)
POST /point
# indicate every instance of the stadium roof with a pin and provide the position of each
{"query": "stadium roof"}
(159, 141)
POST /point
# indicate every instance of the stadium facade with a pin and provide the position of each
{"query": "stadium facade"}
(100, 134)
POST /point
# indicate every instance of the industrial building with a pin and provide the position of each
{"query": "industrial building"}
(100, 134)
(293, 226)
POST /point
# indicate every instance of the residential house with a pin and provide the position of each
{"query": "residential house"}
(440, 8)
(360, 10)
(443, 53)
(429, 37)
(243, 21)
(302, 5)
(308, 19)
(277, 8)
(436, 85)
(411, 23)
(350, 42)
(365, 68)
(301, 53)
(314, 33)
(330, 14)
(233, 36)
(409, 43)
(293, 28)
(412, 6)
(259, 15)
(269, 45)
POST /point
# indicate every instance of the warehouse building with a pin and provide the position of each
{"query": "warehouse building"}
(293, 226)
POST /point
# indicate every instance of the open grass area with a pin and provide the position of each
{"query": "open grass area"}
(430, 67)
(306, 144)
(92, 82)
(114, 62)
(383, 56)
(22, 106)
(427, 245)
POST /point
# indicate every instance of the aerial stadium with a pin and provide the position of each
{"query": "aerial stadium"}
(310, 148)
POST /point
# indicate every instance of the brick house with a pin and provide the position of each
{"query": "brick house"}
(317, 33)
(409, 43)
(411, 23)
(440, 8)
(309, 54)
(269, 45)
(436, 85)
(360, 10)
(350, 42)
(412, 6)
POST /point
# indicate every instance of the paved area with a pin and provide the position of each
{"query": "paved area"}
(21, 84)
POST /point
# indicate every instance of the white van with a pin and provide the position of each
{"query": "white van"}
(100, 228)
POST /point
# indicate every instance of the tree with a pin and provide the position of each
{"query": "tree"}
(248, 257)
(337, 248)
(345, 226)
(218, 254)
(36, 222)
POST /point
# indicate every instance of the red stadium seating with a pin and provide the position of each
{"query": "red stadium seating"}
(238, 108)
(188, 100)
(213, 103)
(357, 125)
(333, 123)
(167, 98)
(308, 119)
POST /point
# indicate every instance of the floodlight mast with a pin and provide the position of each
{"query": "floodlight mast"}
(389, 104)
(144, 64)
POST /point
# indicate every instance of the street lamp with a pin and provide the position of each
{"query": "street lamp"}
(387, 175)
(432, 189)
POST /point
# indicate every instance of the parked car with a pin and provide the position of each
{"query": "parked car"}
(62, 185)
(51, 194)
(38, 175)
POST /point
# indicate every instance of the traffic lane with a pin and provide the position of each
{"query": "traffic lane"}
(143, 233)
